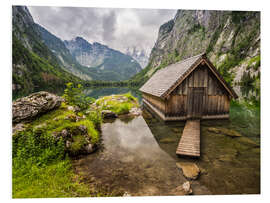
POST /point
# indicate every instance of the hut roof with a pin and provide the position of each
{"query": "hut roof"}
(167, 79)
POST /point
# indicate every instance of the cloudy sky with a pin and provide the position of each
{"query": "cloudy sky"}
(117, 28)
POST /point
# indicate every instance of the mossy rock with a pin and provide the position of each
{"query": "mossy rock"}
(118, 104)
(77, 145)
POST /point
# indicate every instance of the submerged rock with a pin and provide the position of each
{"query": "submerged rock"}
(108, 114)
(190, 170)
(248, 142)
(90, 148)
(214, 130)
(26, 108)
(184, 189)
(176, 130)
(224, 131)
(126, 194)
(167, 140)
(226, 157)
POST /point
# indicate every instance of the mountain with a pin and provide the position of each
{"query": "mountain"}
(34, 65)
(231, 40)
(109, 63)
(57, 46)
(138, 55)
(42, 61)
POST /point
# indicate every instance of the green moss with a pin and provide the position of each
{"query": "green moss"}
(123, 108)
(95, 117)
(77, 144)
(92, 132)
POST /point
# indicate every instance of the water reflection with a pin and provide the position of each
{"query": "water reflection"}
(132, 161)
(133, 138)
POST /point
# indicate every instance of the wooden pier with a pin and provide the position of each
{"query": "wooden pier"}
(189, 144)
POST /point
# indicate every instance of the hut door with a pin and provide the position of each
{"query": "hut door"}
(195, 102)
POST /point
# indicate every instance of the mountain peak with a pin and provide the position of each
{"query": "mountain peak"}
(103, 58)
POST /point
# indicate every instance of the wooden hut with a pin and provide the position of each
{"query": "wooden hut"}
(191, 88)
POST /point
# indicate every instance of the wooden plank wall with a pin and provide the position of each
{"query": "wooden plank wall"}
(216, 100)
(155, 101)
(177, 105)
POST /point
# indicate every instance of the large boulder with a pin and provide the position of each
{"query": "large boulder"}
(26, 108)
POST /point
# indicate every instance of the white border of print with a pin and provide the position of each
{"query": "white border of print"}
(5, 105)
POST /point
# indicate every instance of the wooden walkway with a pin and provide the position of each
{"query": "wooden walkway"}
(189, 144)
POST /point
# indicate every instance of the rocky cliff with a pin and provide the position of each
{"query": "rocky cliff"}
(68, 62)
(231, 40)
(138, 55)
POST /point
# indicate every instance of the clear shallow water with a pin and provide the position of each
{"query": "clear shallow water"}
(228, 165)
(138, 156)
(132, 161)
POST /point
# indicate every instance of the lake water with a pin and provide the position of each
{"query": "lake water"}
(138, 157)
(132, 161)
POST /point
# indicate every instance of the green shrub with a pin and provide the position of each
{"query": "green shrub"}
(38, 145)
(130, 97)
(75, 96)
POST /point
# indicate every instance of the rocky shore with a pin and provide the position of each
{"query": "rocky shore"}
(46, 112)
